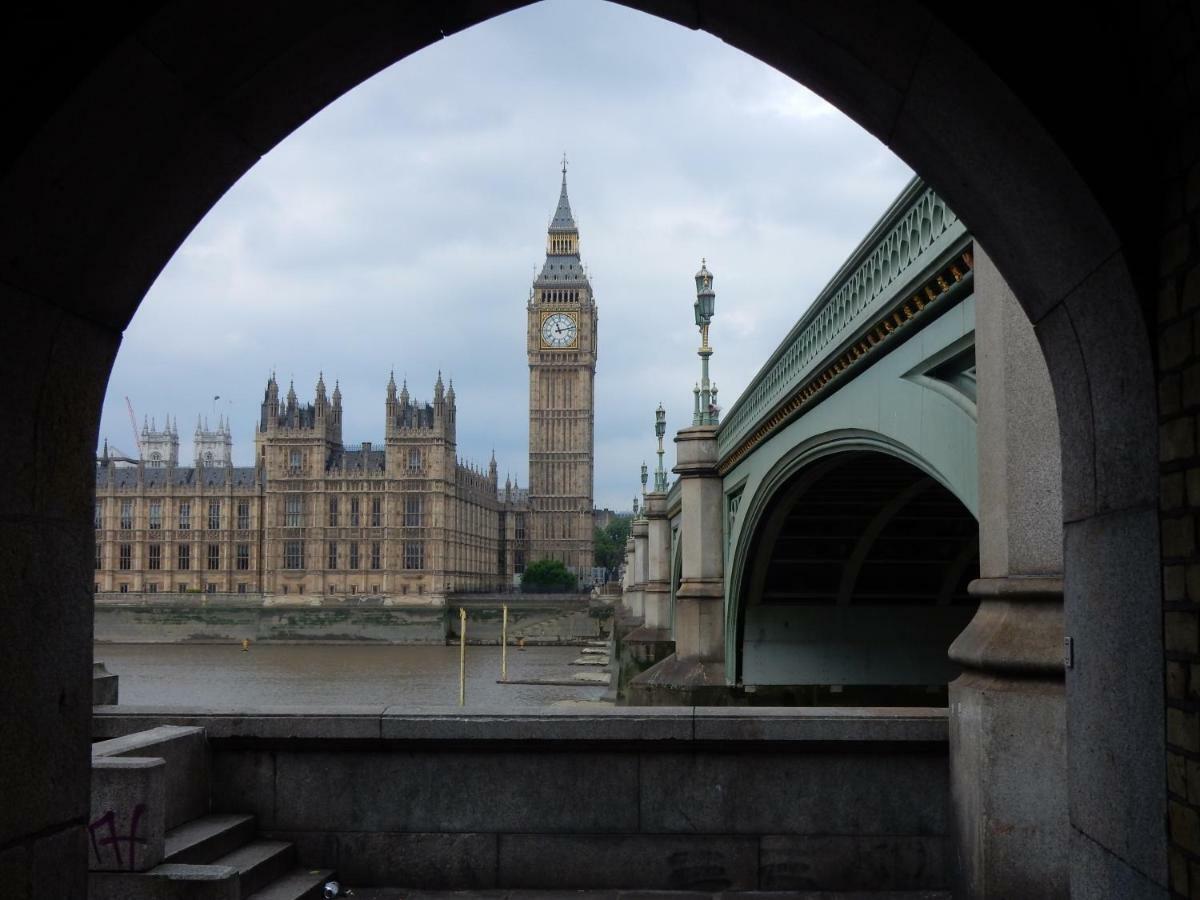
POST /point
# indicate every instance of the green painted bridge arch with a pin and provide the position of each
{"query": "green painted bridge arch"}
(871, 393)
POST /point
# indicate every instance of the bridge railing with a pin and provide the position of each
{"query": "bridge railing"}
(912, 239)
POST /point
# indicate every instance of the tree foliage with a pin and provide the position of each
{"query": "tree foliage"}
(610, 543)
(547, 576)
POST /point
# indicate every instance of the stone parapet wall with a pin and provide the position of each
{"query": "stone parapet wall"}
(686, 798)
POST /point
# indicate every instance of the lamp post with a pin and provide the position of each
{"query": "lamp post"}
(704, 307)
(645, 478)
(660, 429)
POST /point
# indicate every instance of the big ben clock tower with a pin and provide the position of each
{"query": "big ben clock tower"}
(561, 341)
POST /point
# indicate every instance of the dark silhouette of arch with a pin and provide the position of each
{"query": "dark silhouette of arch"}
(125, 127)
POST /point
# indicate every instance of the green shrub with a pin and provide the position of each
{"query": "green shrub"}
(548, 576)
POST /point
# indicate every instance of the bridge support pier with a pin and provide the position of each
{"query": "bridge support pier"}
(631, 598)
(695, 673)
(1008, 761)
(652, 642)
(637, 590)
(657, 594)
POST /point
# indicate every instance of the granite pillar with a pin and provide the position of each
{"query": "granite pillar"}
(652, 642)
(695, 672)
(630, 601)
(1008, 760)
(637, 587)
(657, 591)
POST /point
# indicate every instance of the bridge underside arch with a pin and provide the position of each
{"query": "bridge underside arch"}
(856, 583)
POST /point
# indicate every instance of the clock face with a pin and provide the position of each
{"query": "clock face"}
(558, 330)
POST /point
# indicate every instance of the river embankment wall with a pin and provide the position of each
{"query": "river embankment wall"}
(223, 618)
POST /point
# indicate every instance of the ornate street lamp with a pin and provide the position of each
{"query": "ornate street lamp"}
(660, 429)
(645, 478)
(706, 412)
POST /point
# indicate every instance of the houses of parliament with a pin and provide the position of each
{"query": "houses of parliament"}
(406, 520)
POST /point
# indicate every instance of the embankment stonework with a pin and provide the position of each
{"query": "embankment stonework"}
(223, 618)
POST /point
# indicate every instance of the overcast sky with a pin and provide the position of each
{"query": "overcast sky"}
(402, 226)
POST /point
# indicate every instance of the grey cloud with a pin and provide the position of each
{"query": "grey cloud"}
(402, 226)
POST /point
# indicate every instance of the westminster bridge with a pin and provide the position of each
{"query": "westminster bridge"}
(877, 522)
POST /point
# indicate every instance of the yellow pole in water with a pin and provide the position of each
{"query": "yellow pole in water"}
(462, 657)
(504, 646)
(245, 645)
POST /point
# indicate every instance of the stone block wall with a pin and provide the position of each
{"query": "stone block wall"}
(230, 618)
(1175, 71)
(688, 798)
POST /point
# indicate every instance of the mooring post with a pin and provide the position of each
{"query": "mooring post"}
(462, 657)
(504, 645)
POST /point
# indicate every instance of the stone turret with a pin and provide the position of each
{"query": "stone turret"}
(420, 436)
(213, 448)
(160, 449)
(294, 438)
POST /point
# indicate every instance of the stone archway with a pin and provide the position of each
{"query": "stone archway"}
(130, 128)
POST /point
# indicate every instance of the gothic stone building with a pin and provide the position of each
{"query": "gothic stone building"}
(407, 520)
(312, 517)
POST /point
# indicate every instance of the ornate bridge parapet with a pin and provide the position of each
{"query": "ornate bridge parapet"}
(905, 269)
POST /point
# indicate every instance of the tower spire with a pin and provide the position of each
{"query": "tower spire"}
(563, 220)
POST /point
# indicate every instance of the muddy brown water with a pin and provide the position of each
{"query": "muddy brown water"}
(331, 675)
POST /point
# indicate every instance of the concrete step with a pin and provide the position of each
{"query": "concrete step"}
(389, 893)
(259, 863)
(185, 750)
(169, 880)
(208, 838)
(592, 677)
(299, 884)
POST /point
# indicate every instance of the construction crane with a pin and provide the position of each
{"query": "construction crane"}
(116, 454)
(133, 424)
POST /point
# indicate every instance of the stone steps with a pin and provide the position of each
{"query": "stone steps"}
(259, 863)
(387, 893)
(299, 884)
(601, 678)
(204, 856)
(208, 838)
(590, 661)
(169, 881)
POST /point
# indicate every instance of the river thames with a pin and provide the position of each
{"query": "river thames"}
(222, 675)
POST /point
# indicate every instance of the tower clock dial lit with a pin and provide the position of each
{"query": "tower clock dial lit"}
(558, 330)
